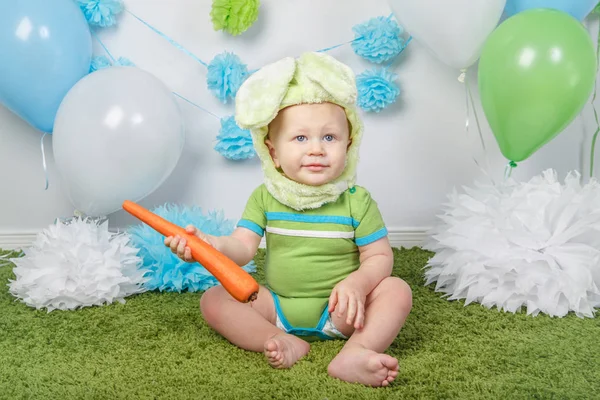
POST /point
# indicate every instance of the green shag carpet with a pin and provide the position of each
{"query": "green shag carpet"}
(156, 346)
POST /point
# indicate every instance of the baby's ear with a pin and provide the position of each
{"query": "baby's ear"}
(258, 99)
(272, 152)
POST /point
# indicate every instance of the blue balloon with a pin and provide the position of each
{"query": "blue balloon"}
(577, 8)
(45, 48)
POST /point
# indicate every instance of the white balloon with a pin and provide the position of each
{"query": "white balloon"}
(453, 30)
(118, 135)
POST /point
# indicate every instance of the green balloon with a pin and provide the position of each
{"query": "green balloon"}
(536, 72)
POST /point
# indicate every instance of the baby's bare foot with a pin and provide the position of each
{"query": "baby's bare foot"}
(283, 350)
(357, 364)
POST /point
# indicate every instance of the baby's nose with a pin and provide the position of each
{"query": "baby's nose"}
(316, 147)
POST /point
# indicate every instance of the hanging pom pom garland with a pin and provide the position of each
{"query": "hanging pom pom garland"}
(234, 16)
(233, 142)
(376, 89)
(534, 244)
(77, 264)
(226, 73)
(167, 271)
(101, 13)
(378, 40)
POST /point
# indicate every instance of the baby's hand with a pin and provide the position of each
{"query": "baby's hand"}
(178, 244)
(348, 297)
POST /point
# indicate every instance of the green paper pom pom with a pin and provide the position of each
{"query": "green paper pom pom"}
(234, 16)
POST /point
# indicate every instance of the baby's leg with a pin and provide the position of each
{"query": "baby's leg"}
(362, 359)
(251, 326)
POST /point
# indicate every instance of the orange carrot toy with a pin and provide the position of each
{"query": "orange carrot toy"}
(239, 283)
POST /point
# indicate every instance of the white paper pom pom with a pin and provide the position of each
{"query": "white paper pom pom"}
(77, 264)
(534, 244)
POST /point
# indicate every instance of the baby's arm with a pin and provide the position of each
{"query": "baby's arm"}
(240, 246)
(349, 296)
(376, 262)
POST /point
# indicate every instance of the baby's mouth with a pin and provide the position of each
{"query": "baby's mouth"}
(315, 167)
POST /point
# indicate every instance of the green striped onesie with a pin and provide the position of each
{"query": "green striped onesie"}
(310, 251)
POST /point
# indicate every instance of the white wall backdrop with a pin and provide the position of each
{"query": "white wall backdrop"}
(412, 155)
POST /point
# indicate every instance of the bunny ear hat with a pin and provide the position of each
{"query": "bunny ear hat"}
(312, 78)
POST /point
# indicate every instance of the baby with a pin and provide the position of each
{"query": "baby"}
(328, 258)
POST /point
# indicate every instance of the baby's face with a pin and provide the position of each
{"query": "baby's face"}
(309, 142)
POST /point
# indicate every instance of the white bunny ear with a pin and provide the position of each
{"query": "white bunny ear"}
(258, 99)
(335, 77)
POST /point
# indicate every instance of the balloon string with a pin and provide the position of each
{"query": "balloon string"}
(595, 137)
(44, 160)
(469, 97)
(476, 119)
(508, 169)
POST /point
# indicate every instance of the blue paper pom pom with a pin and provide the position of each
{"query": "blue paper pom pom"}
(124, 62)
(378, 40)
(99, 62)
(234, 142)
(226, 73)
(376, 89)
(167, 271)
(101, 12)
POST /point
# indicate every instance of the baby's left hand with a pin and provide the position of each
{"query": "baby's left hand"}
(349, 297)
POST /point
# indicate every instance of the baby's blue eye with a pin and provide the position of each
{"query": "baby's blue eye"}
(301, 138)
(328, 138)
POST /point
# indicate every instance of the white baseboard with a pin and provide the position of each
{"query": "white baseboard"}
(399, 237)
(408, 237)
(16, 240)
